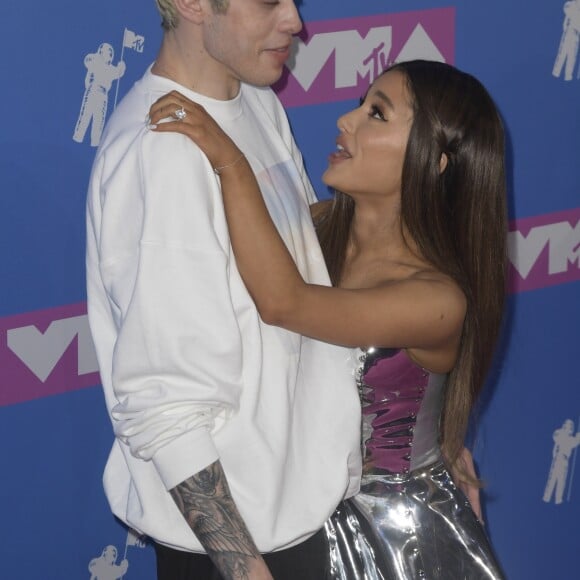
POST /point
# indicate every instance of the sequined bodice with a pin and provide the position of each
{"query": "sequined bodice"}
(401, 408)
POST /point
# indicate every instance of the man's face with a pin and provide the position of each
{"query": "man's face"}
(253, 38)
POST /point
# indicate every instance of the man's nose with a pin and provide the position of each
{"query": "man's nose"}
(291, 22)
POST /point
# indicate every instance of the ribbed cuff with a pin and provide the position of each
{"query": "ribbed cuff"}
(185, 456)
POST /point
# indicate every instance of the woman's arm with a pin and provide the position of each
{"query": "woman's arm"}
(421, 313)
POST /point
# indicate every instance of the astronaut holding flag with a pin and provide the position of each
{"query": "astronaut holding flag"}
(105, 566)
(565, 442)
(568, 50)
(135, 539)
(101, 73)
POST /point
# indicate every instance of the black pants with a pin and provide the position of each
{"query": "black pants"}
(306, 561)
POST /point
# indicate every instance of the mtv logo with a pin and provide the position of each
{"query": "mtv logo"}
(337, 60)
(545, 250)
(133, 41)
(46, 352)
(41, 351)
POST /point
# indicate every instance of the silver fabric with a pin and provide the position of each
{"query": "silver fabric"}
(425, 450)
(406, 527)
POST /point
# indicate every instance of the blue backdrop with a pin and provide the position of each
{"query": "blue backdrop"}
(62, 78)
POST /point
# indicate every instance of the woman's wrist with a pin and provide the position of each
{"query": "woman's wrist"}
(220, 168)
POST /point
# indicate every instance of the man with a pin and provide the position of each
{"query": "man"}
(233, 438)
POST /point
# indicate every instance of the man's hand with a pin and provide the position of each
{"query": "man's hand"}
(462, 467)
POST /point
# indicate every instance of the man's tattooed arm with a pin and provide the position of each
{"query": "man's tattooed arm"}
(206, 503)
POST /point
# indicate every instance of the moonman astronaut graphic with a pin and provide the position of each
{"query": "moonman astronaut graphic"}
(564, 443)
(98, 80)
(568, 50)
(105, 567)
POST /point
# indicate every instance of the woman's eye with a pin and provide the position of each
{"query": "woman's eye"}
(376, 113)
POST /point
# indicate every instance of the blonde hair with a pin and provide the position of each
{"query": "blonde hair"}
(169, 17)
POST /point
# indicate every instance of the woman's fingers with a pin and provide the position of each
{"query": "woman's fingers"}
(174, 105)
(176, 113)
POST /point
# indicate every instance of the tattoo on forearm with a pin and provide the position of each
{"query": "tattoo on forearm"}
(206, 502)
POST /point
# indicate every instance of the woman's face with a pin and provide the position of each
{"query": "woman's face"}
(372, 141)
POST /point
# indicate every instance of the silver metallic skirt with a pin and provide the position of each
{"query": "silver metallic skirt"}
(406, 527)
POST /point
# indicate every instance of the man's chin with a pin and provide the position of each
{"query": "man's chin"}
(264, 76)
(265, 81)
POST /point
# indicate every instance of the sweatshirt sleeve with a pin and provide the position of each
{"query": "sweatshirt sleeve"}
(177, 359)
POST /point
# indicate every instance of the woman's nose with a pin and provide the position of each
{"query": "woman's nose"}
(345, 122)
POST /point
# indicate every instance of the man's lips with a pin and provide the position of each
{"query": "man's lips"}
(284, 48)
(279, 54)
(279, 49)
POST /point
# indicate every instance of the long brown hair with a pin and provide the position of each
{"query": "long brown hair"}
(456, 217)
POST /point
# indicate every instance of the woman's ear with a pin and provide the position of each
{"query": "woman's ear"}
(443, 163)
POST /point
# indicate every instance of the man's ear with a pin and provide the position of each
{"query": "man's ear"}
(443, 163)
(191, 10)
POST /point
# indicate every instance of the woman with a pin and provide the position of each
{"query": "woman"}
(415, 245)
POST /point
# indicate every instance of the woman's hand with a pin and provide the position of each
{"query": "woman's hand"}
(193, 121)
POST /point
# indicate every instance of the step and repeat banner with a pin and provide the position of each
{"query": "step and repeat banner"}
(66, 64)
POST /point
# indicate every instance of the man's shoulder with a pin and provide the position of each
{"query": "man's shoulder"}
(128, 119)
(264, 100)
(131, 106)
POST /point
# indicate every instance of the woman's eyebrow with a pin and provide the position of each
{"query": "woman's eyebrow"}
(384, 98)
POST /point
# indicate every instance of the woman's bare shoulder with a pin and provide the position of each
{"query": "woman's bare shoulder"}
(439, 285)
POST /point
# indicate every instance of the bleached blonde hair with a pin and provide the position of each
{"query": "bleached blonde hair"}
(169, 17)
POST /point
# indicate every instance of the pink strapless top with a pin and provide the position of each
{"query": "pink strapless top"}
(401, 406)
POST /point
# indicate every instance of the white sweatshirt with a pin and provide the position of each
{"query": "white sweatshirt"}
(190, 373)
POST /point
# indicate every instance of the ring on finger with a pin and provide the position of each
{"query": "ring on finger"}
(180, 114)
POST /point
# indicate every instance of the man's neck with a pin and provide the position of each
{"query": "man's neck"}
(191, 66)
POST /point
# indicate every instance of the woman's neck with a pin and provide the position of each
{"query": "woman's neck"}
(377, 249)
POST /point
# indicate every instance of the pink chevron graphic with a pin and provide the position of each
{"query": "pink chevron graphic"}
(544, 250)
(335, 60)
(46, 352)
